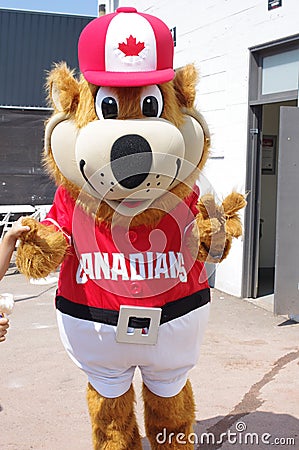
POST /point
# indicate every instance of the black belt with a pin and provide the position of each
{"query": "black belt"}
(170, 311)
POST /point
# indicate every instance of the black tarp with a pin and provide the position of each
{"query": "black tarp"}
(23, 180)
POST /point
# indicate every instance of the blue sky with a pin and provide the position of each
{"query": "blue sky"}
(83, 7)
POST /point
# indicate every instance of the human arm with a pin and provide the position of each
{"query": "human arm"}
(8, 244)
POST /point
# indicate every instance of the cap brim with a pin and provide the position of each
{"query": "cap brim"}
(123, 79)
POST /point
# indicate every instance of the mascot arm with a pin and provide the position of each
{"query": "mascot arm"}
(41, 251)
(44, 247)
(216, 225)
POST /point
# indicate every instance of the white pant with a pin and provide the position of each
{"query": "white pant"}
(110, 365)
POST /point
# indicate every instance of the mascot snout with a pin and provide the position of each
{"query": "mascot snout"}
(121, 158)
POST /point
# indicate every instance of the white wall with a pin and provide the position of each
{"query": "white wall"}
(216, 35)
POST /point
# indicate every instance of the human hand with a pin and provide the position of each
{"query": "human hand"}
(16, 231)
(17, 228)
(4, 324)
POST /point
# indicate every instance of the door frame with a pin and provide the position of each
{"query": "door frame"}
(252, 210)
(256, 100)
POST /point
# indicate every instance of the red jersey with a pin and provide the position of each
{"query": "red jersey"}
(108, 266)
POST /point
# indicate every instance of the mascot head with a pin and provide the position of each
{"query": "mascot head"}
(125, 138)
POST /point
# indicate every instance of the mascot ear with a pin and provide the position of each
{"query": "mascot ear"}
(185, 85)
(63, 89)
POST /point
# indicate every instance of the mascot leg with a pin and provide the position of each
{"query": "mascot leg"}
(169, 421)
(113, 420)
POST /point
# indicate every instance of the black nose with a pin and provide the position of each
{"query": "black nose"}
(131, 160)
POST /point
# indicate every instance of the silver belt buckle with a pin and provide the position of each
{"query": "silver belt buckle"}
(128, 335)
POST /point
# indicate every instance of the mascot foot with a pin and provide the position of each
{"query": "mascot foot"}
(113, 421)
(169, 421)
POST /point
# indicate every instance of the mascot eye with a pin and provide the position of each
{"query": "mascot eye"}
(106, 104)
(109, 108)
(152, 102)
(150, 106)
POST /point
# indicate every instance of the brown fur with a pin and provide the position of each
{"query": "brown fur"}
(175, 414)
(113, 421)
(185, 84)
(216, 225)
(233, 203)
(41, 250)
(73, 90)
(63, 80)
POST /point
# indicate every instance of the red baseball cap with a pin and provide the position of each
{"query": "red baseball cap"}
(126, 48)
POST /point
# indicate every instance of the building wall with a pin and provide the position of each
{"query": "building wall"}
(217, 35)
(30, 42)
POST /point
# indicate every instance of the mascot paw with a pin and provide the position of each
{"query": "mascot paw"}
(216, 226)
(41, 250)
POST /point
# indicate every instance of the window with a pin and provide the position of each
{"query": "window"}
(274, 71)
(280, 72)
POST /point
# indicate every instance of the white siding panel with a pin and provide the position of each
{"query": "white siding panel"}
(210, 66)
(211, 102)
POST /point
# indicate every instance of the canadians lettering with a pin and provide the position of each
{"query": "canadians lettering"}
(135, 266)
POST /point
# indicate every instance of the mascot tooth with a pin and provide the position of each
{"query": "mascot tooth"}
(125, 146)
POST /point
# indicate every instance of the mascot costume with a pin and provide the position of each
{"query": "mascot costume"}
(125, 146)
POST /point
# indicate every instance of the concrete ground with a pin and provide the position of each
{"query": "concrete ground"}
(246, 382)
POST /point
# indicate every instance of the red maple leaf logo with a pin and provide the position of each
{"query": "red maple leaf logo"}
(131, 48)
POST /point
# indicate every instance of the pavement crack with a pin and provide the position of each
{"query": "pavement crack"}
(20, 299)
(249, 403)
